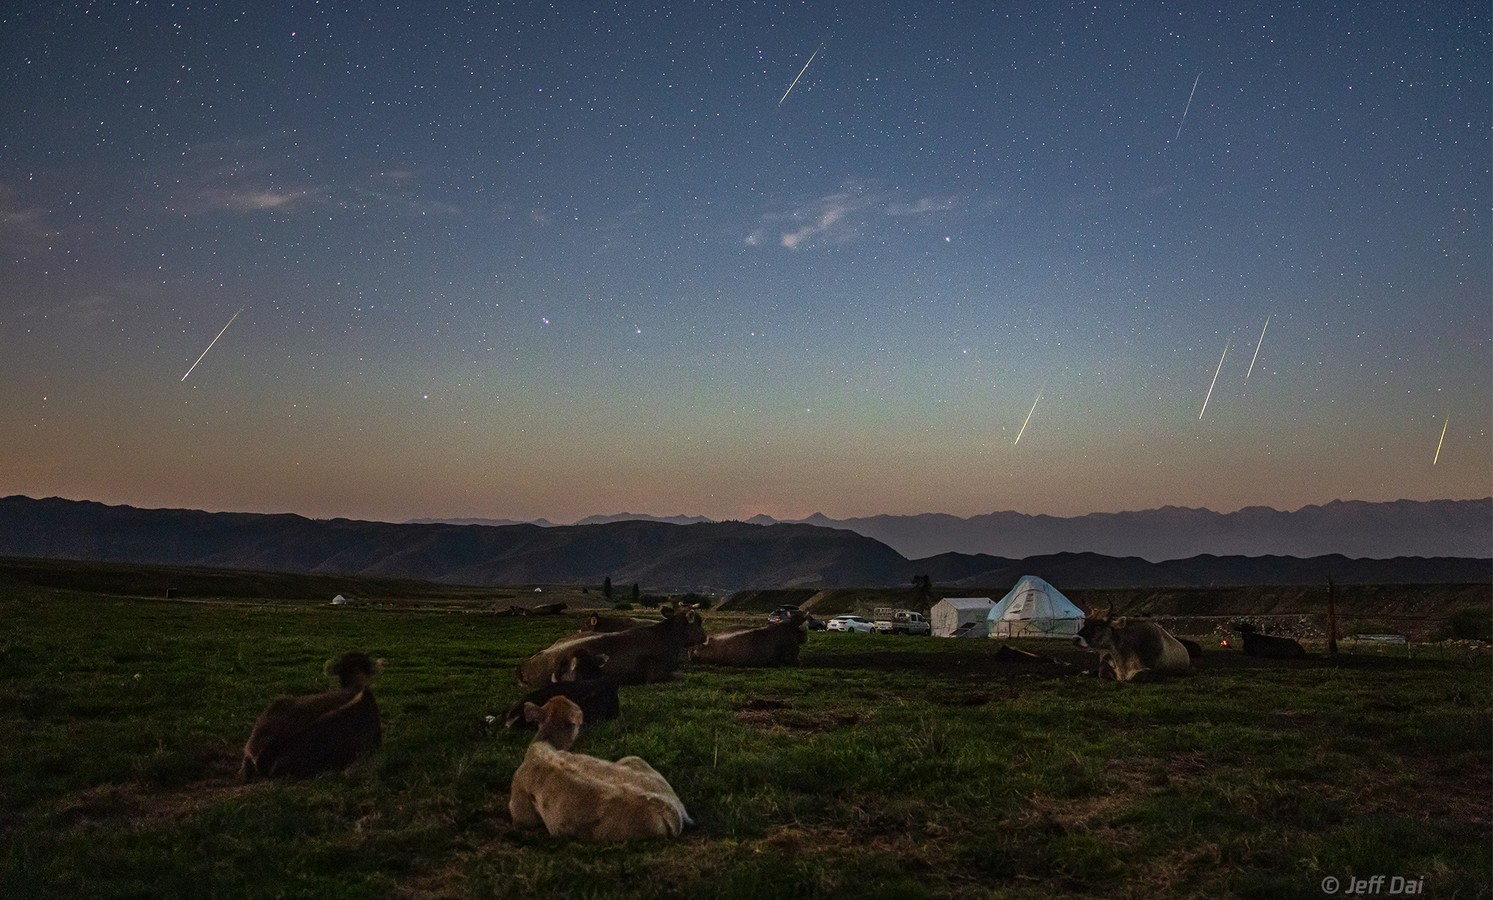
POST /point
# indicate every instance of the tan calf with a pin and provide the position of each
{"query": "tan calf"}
(574, 795)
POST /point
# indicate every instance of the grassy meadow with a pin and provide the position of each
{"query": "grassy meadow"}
(881, 767)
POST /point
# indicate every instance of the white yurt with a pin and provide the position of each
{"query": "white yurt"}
(951, 612)
(1034, 608)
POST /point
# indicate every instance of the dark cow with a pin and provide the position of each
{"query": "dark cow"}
(635, 656)
(582, 684)
(298, 737)
(1135, 651)
(771, 645)
(1194, 649)
(1268, 645)
(597, 623)
(548, 609)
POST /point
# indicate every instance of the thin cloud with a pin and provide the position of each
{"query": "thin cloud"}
(276, 173)
(839, 217)
(17, 219)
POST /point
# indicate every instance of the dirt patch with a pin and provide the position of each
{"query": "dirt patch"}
(768, 714)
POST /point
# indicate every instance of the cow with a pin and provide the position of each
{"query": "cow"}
(574, 795)
(1194, 649)
(1268, 645)
(597, 623)
(298, 737)
(635, 656)
(548, 609)
(771, 645)
(1134, 651)
(583, 683)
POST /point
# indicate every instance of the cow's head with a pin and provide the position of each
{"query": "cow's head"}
(355, 669)
(1098, 631)
(690, 626)
(559, 721)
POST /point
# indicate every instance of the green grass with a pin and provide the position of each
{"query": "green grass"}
(881, 767)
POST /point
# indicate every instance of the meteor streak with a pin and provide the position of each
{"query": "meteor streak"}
(1028, 419)
(1215, 380)
(1185, 108)
(214, 341)
(805, 69)
(1443, 439)
(1257, 350)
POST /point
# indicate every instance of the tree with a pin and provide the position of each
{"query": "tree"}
(635, 592)
(606, 587)
(922, 589)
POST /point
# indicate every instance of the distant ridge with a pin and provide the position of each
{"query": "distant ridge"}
(1352, 528)
(719, 556)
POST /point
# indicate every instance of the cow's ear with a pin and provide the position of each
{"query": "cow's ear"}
(533, 712)
(569, 670)
(1117, 623)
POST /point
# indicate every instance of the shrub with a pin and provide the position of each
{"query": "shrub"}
(622, 605)
(1469, 624)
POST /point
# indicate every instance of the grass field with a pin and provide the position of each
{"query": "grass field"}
(881, 767)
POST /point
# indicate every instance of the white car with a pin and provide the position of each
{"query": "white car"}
(849, 623)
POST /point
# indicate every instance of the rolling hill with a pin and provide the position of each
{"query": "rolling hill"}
(719, 556)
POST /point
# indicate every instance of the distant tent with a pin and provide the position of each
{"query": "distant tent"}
(339, 600)
(951, 612)
(1034, 608)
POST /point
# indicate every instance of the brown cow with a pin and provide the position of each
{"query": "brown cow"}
(582, 683)
(771, 645)
(635, 656)
(300, 736)
(1136, 651)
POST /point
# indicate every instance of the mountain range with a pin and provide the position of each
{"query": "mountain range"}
(711, 556)
(1353, 528)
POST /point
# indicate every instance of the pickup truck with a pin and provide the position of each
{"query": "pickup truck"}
(889, 620)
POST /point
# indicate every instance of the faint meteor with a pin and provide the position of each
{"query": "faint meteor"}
(1028, 419)
(805, 69)
(1215, 380)
(1257, 350)
(1443, 439)
(214, 341)
(1188, 106)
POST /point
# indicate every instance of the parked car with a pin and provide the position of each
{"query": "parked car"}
(783, 614)
(850, 623)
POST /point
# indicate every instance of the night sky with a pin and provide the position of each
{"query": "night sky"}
(521, 259)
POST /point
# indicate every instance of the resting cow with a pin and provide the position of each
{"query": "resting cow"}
(771, 645)
(1268, 645)
(583, 684)
(1136, 651)
(574, 795)
(635, 656)
(300, 736)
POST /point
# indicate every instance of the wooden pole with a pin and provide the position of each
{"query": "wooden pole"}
(1331, 618)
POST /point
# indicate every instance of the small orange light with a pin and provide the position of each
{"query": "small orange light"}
(1224, 642)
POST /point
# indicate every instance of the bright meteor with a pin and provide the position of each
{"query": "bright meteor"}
(1442, 441)
(1215, 380)
(801, 74)
(1257, 350)
(1028, 419)
(1187, 107)
(214, 341)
